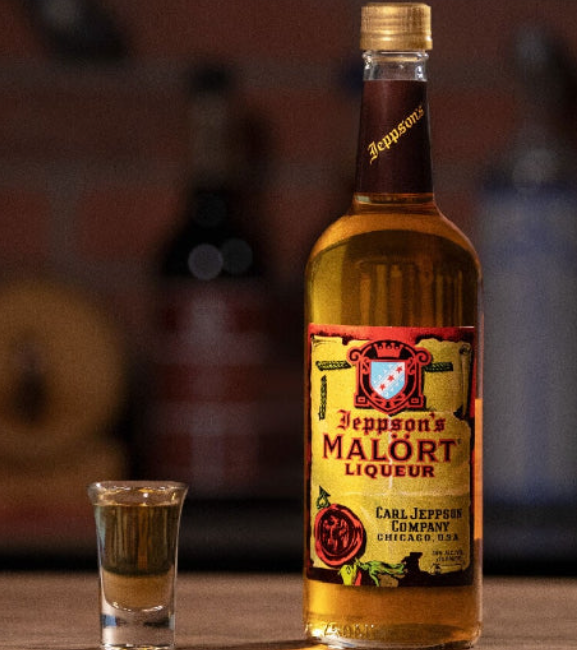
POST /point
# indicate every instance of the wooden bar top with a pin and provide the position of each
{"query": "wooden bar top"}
(59, 611)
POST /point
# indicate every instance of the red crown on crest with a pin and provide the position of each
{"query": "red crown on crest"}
(389, 349)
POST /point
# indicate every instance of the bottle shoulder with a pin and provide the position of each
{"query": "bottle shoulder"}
(399, 265)
(394, 222)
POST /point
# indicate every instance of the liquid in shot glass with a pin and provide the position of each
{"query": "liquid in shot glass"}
(137, 527)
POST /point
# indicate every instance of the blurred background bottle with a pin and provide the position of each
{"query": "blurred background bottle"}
(213, 341)
(222, 417)
(528, 246)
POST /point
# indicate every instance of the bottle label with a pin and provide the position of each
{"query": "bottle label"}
(390, 452)
(394, 152)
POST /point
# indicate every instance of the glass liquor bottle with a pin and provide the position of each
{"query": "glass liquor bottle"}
(393, 426)
(206, 424)
(528, 246)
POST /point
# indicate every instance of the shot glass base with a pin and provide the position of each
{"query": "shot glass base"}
(129, 630)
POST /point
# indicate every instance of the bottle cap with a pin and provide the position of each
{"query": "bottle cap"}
(399, 26)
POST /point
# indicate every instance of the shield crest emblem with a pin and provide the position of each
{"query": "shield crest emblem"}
(388, 378)
(389, 375)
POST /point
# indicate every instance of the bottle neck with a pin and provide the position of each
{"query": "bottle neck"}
(209, 147)
(393, 158)
(211, 160)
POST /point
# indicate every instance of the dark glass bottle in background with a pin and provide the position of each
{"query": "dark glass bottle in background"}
(528, 246)
(212, 341)
(221, 413)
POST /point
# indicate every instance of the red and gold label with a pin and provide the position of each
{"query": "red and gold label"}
(392, 421)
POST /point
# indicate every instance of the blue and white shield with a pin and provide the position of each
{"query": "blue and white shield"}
(388, 378)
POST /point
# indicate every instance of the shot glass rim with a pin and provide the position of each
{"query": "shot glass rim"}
(120, 490)
(137, 484)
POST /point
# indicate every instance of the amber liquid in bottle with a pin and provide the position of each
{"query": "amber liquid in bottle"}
(395, 260)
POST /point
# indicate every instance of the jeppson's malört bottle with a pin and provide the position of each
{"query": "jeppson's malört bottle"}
(393, 426)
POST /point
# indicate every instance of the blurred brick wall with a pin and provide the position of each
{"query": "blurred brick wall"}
(91, 157)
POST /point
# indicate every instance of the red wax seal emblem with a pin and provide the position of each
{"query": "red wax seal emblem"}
(339, 535)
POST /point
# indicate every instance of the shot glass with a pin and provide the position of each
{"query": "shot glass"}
(137, 526)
